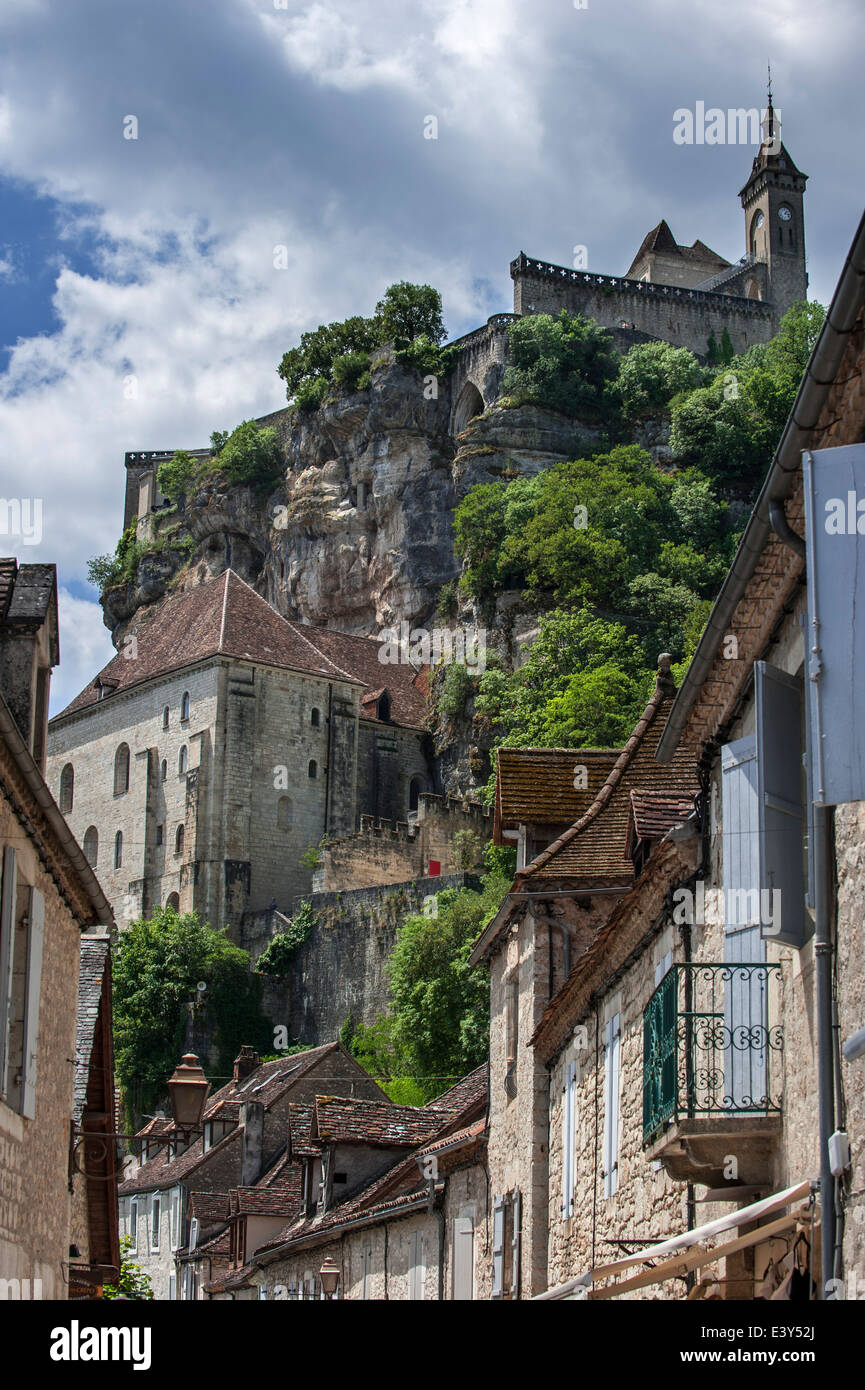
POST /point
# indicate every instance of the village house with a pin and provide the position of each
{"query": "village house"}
(222, 743)
(559, 901)
(705, 1101)
(245, 1129)
(49, 897)
(393, 1199)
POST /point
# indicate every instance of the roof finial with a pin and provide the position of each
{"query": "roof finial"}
(769, 69)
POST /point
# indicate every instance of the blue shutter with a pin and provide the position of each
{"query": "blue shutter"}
(611, 1106)
(835, 484)
(498, 1247)
(7, 940)
(35, 938)
(745, 995)
(779, 803)
(516, 1212)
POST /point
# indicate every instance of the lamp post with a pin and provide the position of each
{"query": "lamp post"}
(189, 1089)
(329, 1276)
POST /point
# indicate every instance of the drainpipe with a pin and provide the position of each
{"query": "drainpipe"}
(550, 923)
(329, 756)
(826, 1062)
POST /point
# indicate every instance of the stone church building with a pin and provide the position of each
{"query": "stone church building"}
(223, 742)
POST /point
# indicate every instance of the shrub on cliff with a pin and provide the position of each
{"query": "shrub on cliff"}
(279, 954)
(566, 362)
(108, 571)
(175, 475)
(407, 312)
(651, 374)
(250, 454)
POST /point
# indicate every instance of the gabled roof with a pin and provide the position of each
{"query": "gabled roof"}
(594, 850)
(379, 1124)
(660, 241)
(225, 617)
(535, 786)
(653, 813)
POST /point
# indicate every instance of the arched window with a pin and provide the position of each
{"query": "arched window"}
(67, 787)
(178, 840)
(384, 707)
(121, 770)
(414, 790)
(184, 705)
(313, 768)
(284, 813)
(173, 901)
(183, 760)
(118, 850)
(164, 769)
(166, 715)
(315, 718)
(91, 845)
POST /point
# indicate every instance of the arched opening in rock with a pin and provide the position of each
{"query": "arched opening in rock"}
(470, 404)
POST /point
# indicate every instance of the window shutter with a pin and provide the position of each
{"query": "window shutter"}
(35, 940)
(744, 995)
(464, 1258)
(498, 1247)
(7, 938)
(193, 1233)
(568, 1140)
(779, 802)
(516, 1200)
(611, 1106)
(663, 966)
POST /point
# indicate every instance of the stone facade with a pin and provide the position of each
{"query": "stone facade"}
(382, 852)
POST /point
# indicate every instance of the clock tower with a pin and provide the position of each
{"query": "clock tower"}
(772, 201)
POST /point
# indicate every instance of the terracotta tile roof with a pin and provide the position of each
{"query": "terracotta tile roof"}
(225, 617)
(266, 1201)
(373, 1122)
(210, 1207)
(654, 813)
(594, 849)
(535, 786)
(218, 1245)
(95, 952)
(160, 1172)
(267, 1083)
(467, 1094)
(300, 1141)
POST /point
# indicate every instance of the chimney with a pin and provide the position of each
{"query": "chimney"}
(245, 1064)
(252, 1152)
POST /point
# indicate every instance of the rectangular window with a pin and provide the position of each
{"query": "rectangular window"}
(133, 1224)
(506, 1245)
(464, 1258)
(416, 1266)
(172, 1286)
(8, 899)
(174, 1219)
(193, 1233)
(612, 1087)
(569, 1116)
(781, 811)
(744, 997)
(155, 1219)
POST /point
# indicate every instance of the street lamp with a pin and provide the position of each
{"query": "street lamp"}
(189, 1089)
(329, 1276)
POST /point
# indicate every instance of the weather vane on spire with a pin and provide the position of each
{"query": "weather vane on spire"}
(769, 70)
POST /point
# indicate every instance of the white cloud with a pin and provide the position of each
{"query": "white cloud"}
(85, 647)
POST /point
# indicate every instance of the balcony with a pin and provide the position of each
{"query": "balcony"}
(710, 1058)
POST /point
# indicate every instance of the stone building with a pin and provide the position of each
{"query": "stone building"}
(687, 294)
(410, 1218)
(558, 903)
(167, 1205)
(701, 1062)
(49, 896)
(222, 743)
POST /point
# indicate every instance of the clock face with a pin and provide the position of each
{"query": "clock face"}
(785, 214)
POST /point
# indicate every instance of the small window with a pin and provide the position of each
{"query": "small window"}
(313, 768)
(184, 706)
(155, 1219)
(159, 835)
(315, 718)
(121, 770)
(118, 850)
(133, 1224)
(182, 761)
(91, 845)
(166, 715)
(164, 769)
(178, 840)
(67, 788)
(284, 813)
(174, 1219)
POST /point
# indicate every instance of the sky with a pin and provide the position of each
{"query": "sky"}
(143, 303)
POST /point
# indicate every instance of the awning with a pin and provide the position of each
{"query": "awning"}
(744, 1216)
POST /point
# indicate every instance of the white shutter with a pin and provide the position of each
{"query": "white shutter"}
(663, 967)
(464, 1258)
(498, 1247)
(193, 1233)
(515, 1243)
(569, 1139)
(7, 938)
(744, 996)
(35, 940)
(612, 1047)
(416, 1267)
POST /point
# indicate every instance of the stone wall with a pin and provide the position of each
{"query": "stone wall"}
(386, 853)
(685, 317)
(340, 969)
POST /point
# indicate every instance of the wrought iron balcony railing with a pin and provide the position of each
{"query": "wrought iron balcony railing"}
(708, 1045)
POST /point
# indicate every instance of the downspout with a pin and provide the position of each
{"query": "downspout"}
(550, 923)
(329, 756)
(830, 1262)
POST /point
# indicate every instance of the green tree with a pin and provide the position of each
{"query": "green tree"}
(406, 312)
(109, 571)
(174, 476)
(566, 362)
(314, 357)
(651, 374)
(278, 956)
(158, 963)
(250, 454)
(133, 1282)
